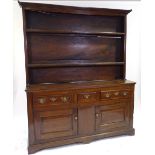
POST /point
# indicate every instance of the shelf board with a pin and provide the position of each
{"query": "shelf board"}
(59, 32)
(71, 63)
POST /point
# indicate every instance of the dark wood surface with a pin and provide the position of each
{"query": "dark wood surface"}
(75, 61)
(59, 47)
(86, 121)
(71, 63)
(73, 10)
(69, 112)
(78, 85)
(54, 35)
(75, 32)
(72, 74)
(72, 22)
(55, 124)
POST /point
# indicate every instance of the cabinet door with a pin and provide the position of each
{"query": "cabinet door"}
(55, 124)
(112, 117)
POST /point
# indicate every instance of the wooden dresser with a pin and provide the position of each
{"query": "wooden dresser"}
(75, 74)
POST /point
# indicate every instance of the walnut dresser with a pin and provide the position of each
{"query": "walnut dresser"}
(75, 62)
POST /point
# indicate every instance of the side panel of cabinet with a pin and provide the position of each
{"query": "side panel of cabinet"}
(112, 117)
(55, 124)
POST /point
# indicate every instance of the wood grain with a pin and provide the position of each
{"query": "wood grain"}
(75, 61)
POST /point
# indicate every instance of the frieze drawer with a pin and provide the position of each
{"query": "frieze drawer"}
(113, 94)
(52, 99)
(88, 97)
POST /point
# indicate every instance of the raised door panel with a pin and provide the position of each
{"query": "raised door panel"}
(86, 121)
(112, 117)
(55, 124)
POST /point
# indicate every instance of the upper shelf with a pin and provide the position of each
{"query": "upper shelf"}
(58, 22)
(74, 32)
(71, 63)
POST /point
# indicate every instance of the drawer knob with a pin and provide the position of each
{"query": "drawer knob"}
(53, 99)
(97, 115)
(125, 93)
(86, 96)
(76, 118)
(116, 93)
(41, 100)
(64, 99)
(107, 95)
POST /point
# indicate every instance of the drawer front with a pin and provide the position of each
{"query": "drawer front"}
(52, 99)
(115, 94)
(88, 97)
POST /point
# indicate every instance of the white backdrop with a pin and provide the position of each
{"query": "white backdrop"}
(136, 43)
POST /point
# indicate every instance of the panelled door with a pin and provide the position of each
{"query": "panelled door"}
(112, 117)
(55, 124)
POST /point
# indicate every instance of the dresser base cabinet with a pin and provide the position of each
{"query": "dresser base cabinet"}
(62, 114)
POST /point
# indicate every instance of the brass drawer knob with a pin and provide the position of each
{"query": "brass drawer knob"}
(76, 118)
(97, 115)
(125, 93)
(86, 96)
(107, 95)
(53, 99)
(41, 100)
(116, 93)
(64, 99)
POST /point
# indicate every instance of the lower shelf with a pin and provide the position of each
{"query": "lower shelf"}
(84, 139)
